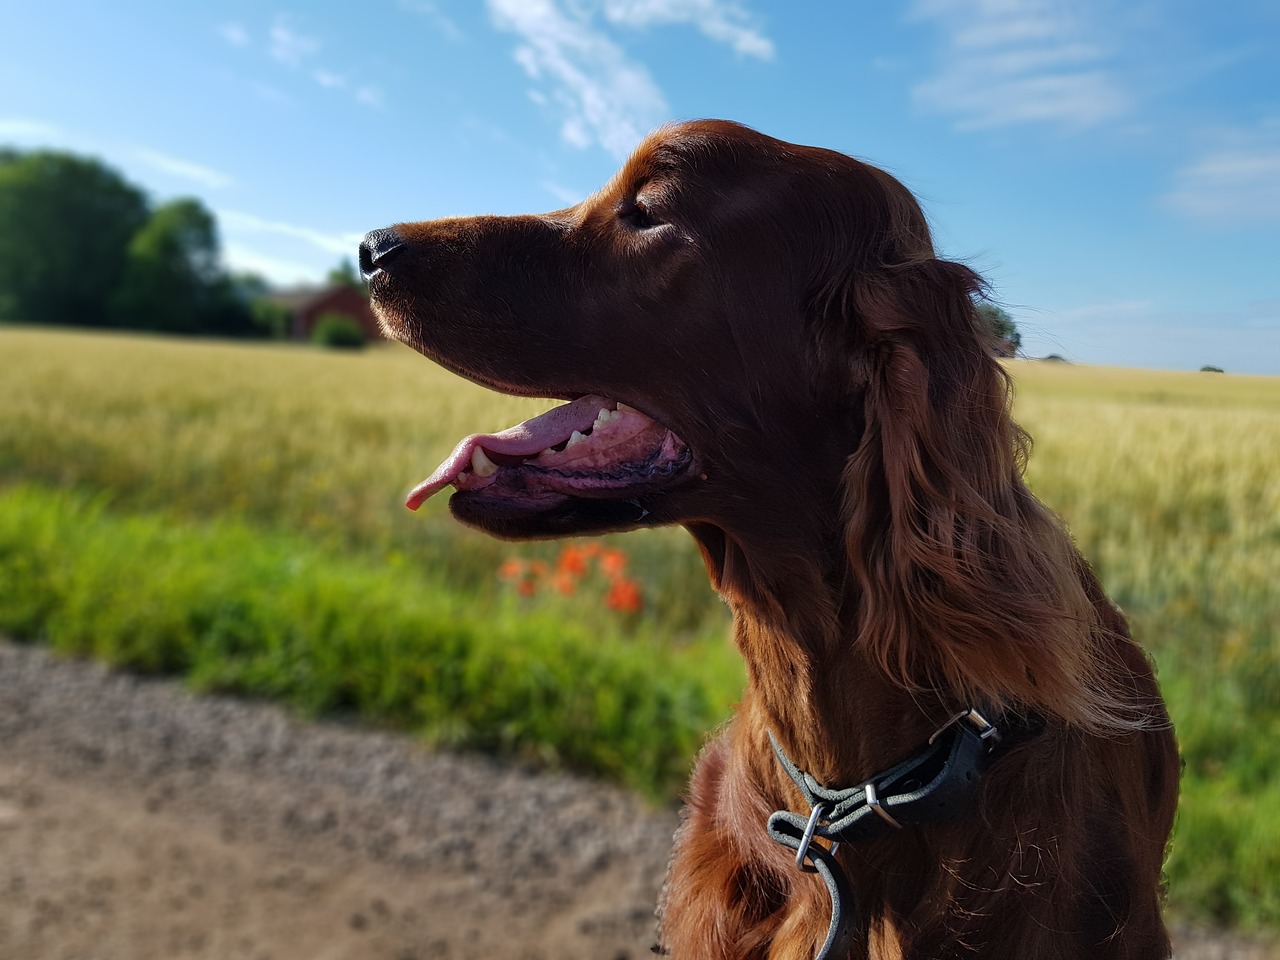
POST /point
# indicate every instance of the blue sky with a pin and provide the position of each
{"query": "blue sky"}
(1112, 167)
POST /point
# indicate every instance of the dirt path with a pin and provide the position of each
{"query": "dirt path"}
(140, 822)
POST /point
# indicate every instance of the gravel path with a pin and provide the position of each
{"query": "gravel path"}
(138, 821)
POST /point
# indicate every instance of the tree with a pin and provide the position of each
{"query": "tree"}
(338, 330)
(65, 223)
(345, 274)
(1001, 325)
(173, 280)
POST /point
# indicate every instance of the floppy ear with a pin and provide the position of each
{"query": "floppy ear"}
(969, 587)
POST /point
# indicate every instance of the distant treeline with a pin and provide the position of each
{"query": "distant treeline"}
(81, 246)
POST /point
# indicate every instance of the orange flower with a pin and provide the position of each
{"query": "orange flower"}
(527, 588)
(573, 561)
(624, 596)
(511, 569)
(564, 583)
(613, 563)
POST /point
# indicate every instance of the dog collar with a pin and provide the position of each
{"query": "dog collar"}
(934, 784)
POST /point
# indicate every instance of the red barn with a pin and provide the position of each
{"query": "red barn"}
(306, 305)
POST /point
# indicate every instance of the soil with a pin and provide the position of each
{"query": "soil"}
(139, 821)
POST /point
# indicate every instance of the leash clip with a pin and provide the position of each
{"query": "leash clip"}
(802, 851)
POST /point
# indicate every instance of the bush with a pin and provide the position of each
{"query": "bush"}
(338, 330)
(1207, 368)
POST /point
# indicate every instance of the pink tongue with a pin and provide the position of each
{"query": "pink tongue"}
(523, 440)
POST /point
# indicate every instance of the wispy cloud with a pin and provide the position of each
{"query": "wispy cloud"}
(431, 11)
(327, 78)
(339, 243)
(276, 270)
(22, 130)
(235, 34)
(371, 96)
(1145, 333)
(720, 20)
(288, 45)
(183, 169)
(27, 132)
(603, 97)
(1238, 181)
(565, 195)
(1007, 62)
(298, 52)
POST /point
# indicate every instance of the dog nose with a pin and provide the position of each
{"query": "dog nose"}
(377, 249)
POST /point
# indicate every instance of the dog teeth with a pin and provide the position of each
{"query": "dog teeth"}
(624, 408)
(575, 438)
(481, 465)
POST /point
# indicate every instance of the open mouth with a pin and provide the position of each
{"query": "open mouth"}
(593, 448)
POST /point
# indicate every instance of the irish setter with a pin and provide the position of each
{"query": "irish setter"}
(757, 341)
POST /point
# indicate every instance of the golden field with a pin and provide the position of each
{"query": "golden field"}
(1170, 483)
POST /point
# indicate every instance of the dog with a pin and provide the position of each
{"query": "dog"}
(948, 744)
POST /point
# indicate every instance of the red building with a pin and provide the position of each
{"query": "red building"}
(306, 305)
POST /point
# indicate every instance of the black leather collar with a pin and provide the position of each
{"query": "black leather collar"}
(936, 783)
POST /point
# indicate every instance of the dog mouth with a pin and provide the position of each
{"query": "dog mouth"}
(593, 448)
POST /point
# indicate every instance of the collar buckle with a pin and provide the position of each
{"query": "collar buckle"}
(983, 727)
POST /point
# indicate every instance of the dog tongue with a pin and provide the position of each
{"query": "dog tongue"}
(523, 440)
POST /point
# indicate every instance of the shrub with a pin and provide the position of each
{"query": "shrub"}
(338, 330)
(1207, 368)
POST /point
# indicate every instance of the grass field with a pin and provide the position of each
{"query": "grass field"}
(233, 512)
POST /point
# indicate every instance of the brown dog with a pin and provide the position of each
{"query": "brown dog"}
(758, 342)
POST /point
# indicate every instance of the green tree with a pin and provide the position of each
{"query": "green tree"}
(1001, 324)
(338, 330)
(173, 280)
(345, 274)
(65, 223)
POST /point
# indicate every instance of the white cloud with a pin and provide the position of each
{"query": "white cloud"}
(720, 20)
(289, 46)
(328, 79)
(234, 34)
(339, 243)
(1008, 62)
(431, 11)
(277, 271)
(297, 51)
(565, 195)
(1238, 181)
(1144, 333)
(604, 98)
(370, 96)
(183, 169)
(22, 130)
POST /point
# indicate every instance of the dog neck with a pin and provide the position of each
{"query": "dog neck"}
(832, 709)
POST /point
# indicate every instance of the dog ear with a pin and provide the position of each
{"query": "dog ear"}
(969, 587)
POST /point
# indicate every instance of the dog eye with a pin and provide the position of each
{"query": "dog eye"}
(637, 215)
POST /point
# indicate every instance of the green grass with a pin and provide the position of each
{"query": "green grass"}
(233, 512)
(273, 615)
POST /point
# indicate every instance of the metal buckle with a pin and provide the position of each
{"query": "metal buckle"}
(873, 801)
(985, 729)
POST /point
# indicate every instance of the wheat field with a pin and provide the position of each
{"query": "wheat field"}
(1170, 483)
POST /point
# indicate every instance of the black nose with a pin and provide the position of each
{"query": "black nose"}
(377, 249)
